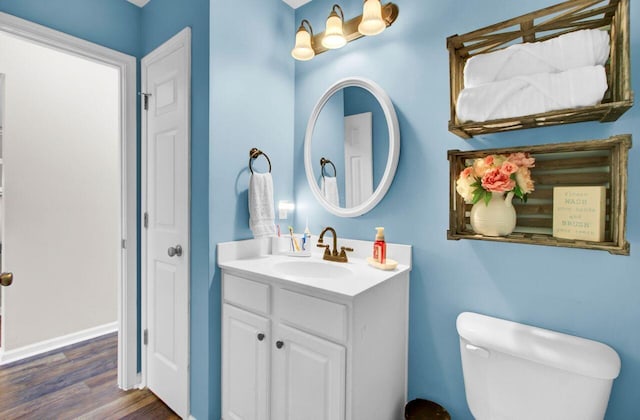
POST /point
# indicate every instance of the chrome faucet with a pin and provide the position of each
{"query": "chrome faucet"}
(333, 255)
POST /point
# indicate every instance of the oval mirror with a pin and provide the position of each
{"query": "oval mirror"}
(351, 147)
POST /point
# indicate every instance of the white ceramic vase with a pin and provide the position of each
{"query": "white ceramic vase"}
(498, 218)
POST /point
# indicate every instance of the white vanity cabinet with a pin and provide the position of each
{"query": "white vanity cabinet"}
(294, 352)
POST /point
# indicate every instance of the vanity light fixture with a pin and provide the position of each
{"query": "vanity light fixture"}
(303, 49)
(374, 19)
(333, 34)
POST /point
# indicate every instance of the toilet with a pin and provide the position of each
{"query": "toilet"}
(518, 372)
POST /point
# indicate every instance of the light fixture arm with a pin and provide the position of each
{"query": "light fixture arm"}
(390, 13)
(308, 27)
(338, 8)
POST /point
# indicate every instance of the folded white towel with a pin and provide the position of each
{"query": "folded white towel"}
(261, 210)
(329, 188)
(589, 47)
(526, 95)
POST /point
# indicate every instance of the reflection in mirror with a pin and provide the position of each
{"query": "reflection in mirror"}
(355, 126)
(352, 134)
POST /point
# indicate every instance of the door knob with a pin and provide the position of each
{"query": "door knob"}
(279, 344)
(6, 279)
(177, 250)
(260, 337)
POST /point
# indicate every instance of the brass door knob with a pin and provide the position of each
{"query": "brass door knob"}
(6, 279)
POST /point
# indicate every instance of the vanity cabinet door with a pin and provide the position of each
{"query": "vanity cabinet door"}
(245, 365)
(308, 377)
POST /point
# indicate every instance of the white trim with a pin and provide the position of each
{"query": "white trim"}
(127, 287)
(182, 38)
(55, 343)
(139, 3)
(394, 146)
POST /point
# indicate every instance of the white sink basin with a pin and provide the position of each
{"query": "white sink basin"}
(314, 269)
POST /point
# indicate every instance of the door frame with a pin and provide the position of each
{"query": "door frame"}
(127, 284)
(181, 38)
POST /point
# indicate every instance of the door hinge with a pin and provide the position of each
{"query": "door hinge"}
(145, 337)
(145, 100)
(146, 220)
(124, 244)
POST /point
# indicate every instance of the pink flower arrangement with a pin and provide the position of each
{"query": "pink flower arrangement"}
(496, 173)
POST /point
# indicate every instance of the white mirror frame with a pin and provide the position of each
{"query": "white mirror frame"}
(394, 146)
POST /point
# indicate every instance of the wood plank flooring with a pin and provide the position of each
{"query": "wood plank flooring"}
(76, 382)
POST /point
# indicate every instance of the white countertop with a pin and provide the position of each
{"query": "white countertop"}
(255, 258)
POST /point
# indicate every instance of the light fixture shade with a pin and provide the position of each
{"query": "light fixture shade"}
(372, 22)
(333, 34)
(303, 50)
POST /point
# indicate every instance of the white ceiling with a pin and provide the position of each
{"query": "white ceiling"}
(139, 3)
(293, 3)
(296, 3)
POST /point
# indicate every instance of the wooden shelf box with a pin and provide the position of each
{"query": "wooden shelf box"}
(573, 15)
(586, 163)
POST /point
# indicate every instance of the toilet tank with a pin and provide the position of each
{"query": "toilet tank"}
(515, 371)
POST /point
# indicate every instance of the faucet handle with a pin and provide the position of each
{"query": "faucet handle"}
(346, 248)
(326, 248)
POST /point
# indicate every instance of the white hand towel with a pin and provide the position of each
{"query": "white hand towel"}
(526, 95)
(329, 188)
(589, 47)
(261, 210)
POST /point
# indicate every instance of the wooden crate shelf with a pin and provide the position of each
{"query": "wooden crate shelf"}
(573, 15)
(592, 163)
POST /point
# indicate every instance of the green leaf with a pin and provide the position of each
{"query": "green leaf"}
(487, 197)
(477, 195)
(517, 191)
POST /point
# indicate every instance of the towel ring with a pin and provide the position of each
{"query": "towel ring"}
(254, 153)
(323, 162)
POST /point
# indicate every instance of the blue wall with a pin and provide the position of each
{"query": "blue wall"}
(251, 105)
(161, 19)
(328, 142)
(586, 293)
(113, 24)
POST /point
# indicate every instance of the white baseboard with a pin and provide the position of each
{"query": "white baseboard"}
(35, 349)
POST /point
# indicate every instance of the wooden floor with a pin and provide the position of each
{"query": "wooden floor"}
(76, 382)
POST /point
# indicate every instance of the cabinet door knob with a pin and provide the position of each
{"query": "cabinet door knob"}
(279, 344)
(260, 337)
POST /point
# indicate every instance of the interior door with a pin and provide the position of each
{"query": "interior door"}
(308, 376)
(358, 158)
(166, 84)
(245, 365)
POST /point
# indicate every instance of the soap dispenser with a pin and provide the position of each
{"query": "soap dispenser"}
(380, 247)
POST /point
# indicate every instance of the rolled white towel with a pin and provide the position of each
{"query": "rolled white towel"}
(526, 95)
(329, 189)
(588, 47)
(261, 210)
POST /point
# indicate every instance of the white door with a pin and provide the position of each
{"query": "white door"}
(245, 365)
(308, 377)
(358, 158)
(166, 80)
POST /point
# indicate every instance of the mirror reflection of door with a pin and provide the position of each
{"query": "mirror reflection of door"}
(352, 132)
(358, 158)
